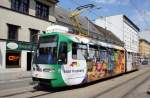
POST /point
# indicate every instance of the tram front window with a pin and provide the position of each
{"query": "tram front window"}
(46, 54)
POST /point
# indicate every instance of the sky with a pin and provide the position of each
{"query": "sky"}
(138, 11)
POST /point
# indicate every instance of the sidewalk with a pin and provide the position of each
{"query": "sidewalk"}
(10, 76)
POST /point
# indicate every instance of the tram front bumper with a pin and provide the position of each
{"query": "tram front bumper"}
(43, 75)
(43, 72)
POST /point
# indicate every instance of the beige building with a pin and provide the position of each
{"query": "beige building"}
(20, 22)
(144, 50)
(144, 47)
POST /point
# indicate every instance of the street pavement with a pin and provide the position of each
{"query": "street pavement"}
(15, 83)
(141, 91)
(125, 86)
(14, 76)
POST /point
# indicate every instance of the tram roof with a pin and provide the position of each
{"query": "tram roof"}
(84, 40)
(96, 31)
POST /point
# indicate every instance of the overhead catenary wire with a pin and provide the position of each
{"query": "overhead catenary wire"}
(88, 10)
(105, 18)
(96, 15)
(115, 26)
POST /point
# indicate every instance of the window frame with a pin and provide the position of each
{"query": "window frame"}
(94, 48)
(11, 26)
(34, 35)
(77, 48)
(20, 6)
(42, 10)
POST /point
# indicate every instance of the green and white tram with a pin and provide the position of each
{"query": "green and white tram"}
(64, 59)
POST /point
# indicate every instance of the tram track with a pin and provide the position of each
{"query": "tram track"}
(15, 92)
(26, 94)
(145, 75)
(10, 95)
(29, 92)
(138, 85)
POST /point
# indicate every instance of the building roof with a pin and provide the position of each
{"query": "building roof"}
(62, 16)
(109, 36)
(125, 17)
(144, 40)
(53, 1)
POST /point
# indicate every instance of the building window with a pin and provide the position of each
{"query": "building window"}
(42, 10)
(13, 59)
(13, 32)
(34, 35)
(20, 5)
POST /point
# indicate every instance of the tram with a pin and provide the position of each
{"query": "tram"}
(65, 59)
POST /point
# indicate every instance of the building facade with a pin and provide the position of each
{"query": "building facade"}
(144, 47)
(144, 50)
(20, 23)
(123, 28)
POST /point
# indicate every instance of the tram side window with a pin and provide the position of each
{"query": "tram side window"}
(79, 51)
(93, 52)
(63, 53)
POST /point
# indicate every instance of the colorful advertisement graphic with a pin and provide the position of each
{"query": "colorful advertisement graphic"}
(119, 62)
(99, 67)
(110, 62)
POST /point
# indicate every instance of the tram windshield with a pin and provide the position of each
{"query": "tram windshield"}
(47, 51)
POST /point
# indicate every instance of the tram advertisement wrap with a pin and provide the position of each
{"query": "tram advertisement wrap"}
(110, 63)
(74, 72)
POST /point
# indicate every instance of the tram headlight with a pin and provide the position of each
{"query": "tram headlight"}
(48, 70)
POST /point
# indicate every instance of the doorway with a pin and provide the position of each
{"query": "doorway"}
(29, 59)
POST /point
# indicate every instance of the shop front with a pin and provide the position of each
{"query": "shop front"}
(16, 56)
